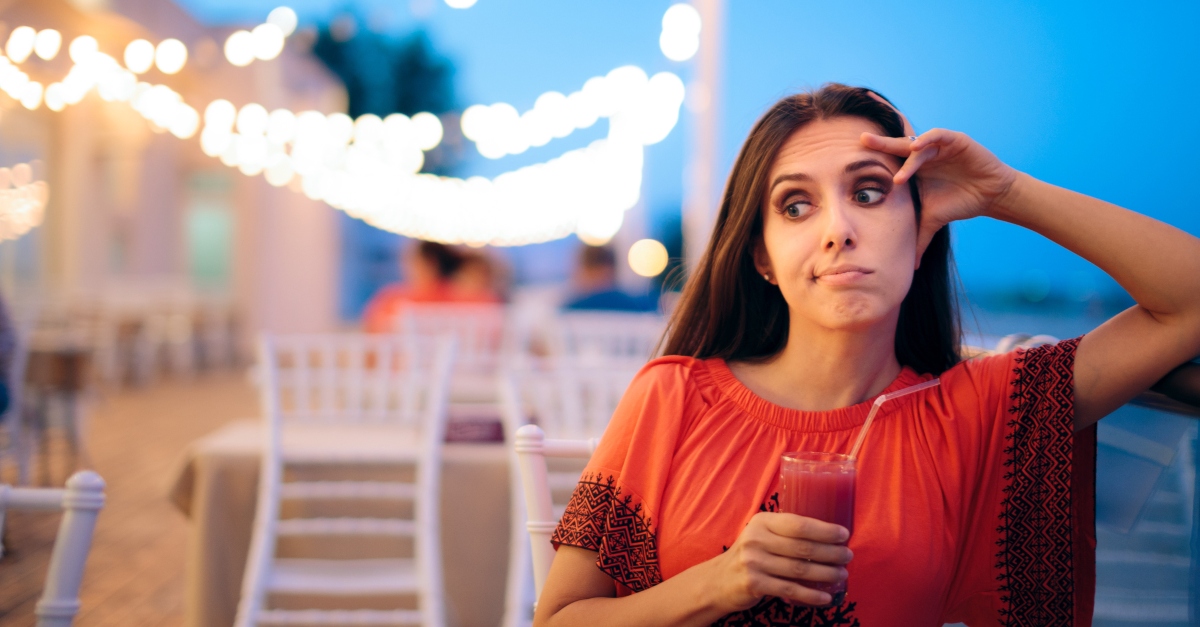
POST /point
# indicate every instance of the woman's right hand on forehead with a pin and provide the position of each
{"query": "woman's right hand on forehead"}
(774, 553)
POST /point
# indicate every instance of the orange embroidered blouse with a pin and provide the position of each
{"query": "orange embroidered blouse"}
(974, 503)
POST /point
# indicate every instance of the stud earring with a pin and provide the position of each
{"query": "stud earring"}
(767, 277)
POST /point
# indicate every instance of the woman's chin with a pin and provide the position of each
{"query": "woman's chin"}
(855, 317)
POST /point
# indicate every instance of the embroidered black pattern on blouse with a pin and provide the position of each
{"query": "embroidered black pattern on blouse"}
(599, 518)
(1035, 556)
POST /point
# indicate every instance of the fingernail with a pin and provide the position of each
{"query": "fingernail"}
(844, 534)
(843, 574)
(825, 598)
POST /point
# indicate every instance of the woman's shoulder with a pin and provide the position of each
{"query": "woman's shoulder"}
(677, 375)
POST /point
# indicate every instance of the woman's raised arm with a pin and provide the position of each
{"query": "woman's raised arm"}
(1159, 265)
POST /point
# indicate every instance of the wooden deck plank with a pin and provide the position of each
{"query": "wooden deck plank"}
(135, 440)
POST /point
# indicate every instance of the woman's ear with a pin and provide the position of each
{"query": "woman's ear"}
(762, 261)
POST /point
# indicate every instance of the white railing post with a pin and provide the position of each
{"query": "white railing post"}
(82, 502)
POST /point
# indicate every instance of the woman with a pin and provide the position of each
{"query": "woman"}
(827, 282)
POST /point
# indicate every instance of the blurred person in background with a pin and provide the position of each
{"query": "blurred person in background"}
(429, 267)
(8, 347)
(477, 280)
(594, 284)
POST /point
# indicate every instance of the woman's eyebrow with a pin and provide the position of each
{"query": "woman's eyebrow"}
(796, 176)
(866, 163)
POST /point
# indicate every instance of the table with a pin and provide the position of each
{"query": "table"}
(216, 486)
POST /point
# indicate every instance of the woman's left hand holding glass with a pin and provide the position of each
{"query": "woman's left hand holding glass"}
(960, 179)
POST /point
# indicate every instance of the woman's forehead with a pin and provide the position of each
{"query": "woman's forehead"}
(826, 144)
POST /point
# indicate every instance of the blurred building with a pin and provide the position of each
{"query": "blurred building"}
(132, 206)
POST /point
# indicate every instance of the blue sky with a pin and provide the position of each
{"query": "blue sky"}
(1100, 97)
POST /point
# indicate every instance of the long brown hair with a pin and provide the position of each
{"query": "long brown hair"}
(727, 310)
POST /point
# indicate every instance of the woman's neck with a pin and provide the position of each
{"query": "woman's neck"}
(822, 369)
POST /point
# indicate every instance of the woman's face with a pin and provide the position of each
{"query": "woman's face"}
(839, 238)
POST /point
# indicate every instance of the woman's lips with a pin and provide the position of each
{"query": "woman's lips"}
(847, 277)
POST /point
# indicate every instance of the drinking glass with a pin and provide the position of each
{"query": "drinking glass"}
(821, 486)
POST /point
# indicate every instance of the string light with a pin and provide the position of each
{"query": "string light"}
(268, 41)
(285, 19)
(82, 48)
(170, 56)
(370, 167)
(20, 44)
(139, 56)
(648, 108)
(265, 42)
(680, 38)
(239, 48)
(47, 43)
(22, 201)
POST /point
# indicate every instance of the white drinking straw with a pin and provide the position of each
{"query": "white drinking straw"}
(862, 434)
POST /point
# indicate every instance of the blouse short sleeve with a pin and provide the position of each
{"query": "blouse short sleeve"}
(614, 508)
(1027, 540)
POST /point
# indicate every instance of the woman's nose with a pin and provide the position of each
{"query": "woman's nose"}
(839, 232)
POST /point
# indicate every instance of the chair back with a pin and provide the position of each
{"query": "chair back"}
(600, 335)
(480, 329)
(81, 502)
(403, 383)
(567, 400)
(347, 378)
(532, 448)
(569, 403)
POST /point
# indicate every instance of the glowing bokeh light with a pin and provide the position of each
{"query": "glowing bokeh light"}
(252, 119)
(47, 44)
(239, 48)
(680, 37)
(648, 257)
(31, 95)
(139, 56)
(284, 18)
(268, 41)
(20, 44)
(170, 56)
(82, 47)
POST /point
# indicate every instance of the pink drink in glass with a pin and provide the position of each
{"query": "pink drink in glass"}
(821, 486)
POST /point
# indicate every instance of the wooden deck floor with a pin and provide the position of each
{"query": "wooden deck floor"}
(135, 439)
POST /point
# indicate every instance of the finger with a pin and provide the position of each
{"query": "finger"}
(809, 550)
(914, 163)
(793, 592)
(804, 528)
(898, 146)
(937, 136)
(801, 570)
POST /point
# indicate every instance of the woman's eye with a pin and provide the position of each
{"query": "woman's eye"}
(868, 196)
(796, 209)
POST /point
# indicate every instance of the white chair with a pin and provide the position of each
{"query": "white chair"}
(600, 335)
(571, 403)
(81, 502)
(541, 514)
(483, 341)
(337, 401)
